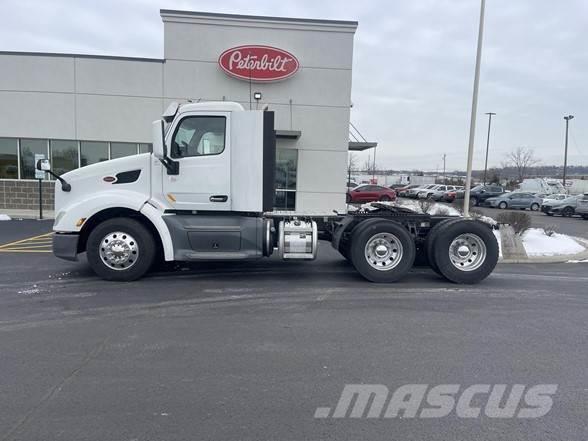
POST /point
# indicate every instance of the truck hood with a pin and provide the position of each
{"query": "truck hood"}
(128, 178)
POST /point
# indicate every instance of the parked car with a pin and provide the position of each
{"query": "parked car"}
(565, 207)
(450, 195)
(554, 197)
(396, 187)
(402, 191)
(351, 184)
(515, 200)
(437, 193)
(582, 206)
(413, 192)
(480, 193)
(370, 193)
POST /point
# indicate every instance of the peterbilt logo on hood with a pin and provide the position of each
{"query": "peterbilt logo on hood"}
(258, 63)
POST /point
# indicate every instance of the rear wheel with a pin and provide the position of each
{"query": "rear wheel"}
(535, 207)
(465, 251)
(348, 198)
(473, 202)
(567, 212)
(431, 240)
(382, 251)
(120, 249)
(385, 198)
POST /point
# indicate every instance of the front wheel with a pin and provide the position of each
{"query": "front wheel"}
(502, 205)
(120, 249)
(567, 212)
(473, 202)
(465, 251)
(385, 198)
(382, 251)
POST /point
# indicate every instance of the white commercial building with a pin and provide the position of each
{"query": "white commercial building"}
(81, 109)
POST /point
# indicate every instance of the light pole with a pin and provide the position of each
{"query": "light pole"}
(488, 143)
(444, 180)
(567, 118)
(466, 202)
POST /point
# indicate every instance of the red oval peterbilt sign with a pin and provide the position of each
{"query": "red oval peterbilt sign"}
(258, 63)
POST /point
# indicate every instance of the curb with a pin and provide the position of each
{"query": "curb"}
(563, 258)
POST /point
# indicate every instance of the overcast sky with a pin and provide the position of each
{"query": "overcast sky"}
(413, 65)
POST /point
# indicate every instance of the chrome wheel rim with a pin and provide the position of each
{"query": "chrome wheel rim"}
(383, 251)
(119, 251)
(467, 252)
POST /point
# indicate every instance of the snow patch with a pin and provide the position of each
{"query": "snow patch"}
(4, 217)
(497, 236)
(434, 210)
(537, 243)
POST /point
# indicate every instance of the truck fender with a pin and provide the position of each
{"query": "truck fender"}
(154, 216)
(85, 208)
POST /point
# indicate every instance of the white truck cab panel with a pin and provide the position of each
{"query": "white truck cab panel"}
(200, 143)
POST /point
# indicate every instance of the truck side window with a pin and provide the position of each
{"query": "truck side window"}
(199, 136)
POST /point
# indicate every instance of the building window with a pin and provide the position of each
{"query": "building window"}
(64, 156)
(28, 149)
(8, 158)
(286, 168)
(199, 136)
(145, 148)
(122, 149)
(93, 152)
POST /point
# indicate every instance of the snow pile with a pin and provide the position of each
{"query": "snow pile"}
(4, 217)
(497, 236)
(537, 243)
(435, 208)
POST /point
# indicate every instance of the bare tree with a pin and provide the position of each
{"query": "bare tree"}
(369, 166)
(522, 158)
(351, 165)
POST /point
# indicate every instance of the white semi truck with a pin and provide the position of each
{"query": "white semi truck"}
(206, 192)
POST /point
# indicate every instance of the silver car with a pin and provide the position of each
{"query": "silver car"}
(582, 206)
(565, 207)
(515, 200)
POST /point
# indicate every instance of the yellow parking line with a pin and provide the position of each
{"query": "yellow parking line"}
(6, 245)
(5, 250)
(24, 246)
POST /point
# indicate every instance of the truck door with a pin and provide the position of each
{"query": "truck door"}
(200, 143)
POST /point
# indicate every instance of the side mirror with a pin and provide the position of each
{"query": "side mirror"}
(159, 149)
(158, 135)
(43, 165)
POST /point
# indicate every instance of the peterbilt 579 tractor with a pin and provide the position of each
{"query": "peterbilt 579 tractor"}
(206, 192)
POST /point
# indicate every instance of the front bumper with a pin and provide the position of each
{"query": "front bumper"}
(65, 246)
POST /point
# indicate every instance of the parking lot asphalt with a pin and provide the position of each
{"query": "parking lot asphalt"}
(249, 351)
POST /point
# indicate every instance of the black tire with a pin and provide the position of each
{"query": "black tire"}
(442, 245)
(347, 198)
(430, 240)
(137, 266)
(474, 202)
(567, 212)
(385, 198)
(535, 207)
(502, 205)
(364, 233)
(585, 216)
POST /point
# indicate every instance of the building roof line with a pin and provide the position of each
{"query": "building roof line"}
(60, 54)
(259, 17)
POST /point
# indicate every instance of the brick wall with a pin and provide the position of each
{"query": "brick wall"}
(25, 194)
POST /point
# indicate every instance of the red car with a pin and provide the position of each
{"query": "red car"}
(370, 193)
